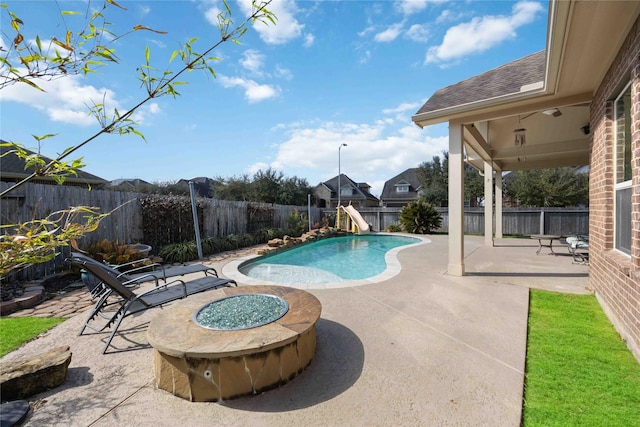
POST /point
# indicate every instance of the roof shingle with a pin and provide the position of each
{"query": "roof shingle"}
(504, 80)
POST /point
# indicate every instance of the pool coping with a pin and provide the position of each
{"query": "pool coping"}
(230, 270)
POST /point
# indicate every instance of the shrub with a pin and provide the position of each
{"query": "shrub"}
(297, 223)
(112, 252)
(188, 251)
(420, 217)
(179, 252)
(394, 228)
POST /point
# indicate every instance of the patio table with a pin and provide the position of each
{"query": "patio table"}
(548, 237)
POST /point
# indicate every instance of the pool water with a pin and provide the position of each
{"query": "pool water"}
(327, 261)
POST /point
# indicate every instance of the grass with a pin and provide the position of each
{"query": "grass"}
(15, 331)
(579, 371)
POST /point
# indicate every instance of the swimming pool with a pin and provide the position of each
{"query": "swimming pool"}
(335, 262)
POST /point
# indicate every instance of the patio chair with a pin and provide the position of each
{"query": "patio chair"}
(137, 276)
(124, 302)
(578, 246)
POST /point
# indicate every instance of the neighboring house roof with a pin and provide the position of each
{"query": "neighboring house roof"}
(201, 184)
(12, 168)
(361, 190)
(130, 182)
(517, 76)
(408, 177)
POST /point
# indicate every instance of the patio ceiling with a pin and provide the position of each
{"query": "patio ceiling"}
(582, 40)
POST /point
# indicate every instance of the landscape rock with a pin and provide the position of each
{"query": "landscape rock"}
(23, 378)
(275, 243)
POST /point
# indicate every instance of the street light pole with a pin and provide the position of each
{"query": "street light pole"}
(339, 173)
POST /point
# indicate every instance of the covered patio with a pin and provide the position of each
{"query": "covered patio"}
(532, 113)
(575, 103)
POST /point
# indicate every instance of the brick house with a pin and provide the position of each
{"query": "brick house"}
(356, 193)
(575, 103)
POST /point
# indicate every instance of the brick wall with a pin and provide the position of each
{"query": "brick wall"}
(615, 277)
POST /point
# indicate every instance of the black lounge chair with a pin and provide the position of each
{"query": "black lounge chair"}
(141, 274)
(126, 302)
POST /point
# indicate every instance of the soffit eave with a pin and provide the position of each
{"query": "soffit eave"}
(557, 27)
(503, 109)
(459, 112)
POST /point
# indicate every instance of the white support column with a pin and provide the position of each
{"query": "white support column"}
(498, 204)
(456, 201)
(488, 204)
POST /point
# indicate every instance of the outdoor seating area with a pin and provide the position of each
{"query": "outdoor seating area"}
(152, 272)
(117, 301)
(578, 245)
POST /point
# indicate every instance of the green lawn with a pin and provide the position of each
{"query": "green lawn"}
(15, 331)
(579, 371)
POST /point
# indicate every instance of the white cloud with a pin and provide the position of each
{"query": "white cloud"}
(158, 43)
(144, 112)
(390, 34)
(64, 100)
(410, 7)
(253, 91)
(365, 57)
(211, 15)
(144, 9)
(403, 108)
(68, 100)
(308, 40)
(481, 34)
(374, 152)
(252, 60)
(287, 27)
(284, 73)
(369, 29)
(258, 167)
(418, 33)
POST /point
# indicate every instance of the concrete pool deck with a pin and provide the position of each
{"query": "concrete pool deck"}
(422, 348)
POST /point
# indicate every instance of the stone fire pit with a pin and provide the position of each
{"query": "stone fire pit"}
(201, 364)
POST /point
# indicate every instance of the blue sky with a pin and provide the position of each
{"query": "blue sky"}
(328, 73)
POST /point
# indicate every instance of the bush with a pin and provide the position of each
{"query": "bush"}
(188, 251)
(420, 217)
(179, 252)
(394, 228)
(112, 252)
(297, 223)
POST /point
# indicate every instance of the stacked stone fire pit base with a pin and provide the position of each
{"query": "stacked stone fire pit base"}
(203, 365)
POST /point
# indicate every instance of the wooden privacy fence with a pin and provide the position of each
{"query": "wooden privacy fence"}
(125, 223)
(515, 221)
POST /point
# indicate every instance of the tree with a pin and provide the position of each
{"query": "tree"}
(82, 52)
(434, 179)
(294, 191)
(558, 187)
(234, 188)
(266, 185)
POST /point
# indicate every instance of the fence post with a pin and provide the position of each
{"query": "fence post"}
(309, 210)
(194, 209)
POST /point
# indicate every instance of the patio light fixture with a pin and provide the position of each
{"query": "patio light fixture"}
(552, 112)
